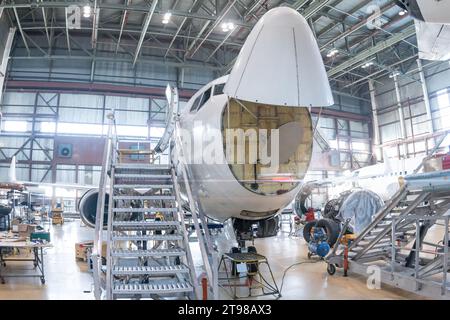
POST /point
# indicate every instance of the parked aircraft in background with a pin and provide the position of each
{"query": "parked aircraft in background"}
(381, 178)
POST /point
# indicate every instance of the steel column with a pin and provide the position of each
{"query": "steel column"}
(5, 58)
(376, 127)
(401, 115)
(426, 97)
(148, 18)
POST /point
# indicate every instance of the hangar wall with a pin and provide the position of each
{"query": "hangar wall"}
(437, 79)
(47, 100)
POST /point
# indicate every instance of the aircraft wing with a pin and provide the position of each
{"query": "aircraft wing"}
(13, 183)
(57, 185)
(329, 182)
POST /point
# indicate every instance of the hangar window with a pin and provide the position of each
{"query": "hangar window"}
(443, 100)
(15, 126)
(48, 127)
(218, 89)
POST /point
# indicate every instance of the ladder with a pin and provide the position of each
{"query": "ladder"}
(148, 254)
(395, 242)
(375, 240)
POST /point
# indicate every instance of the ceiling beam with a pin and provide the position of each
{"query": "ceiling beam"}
(215, 24)
(118, 7)
(149, 60)
(350, 13)
(315, 7)
(21, 31)
(357, 26)
(194, 7)
(365, 54)
(95, 22)
(122, 25)
(67, 32)
(148, 18)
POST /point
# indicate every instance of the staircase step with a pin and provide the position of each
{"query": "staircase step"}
(147, 237)
(143, 186)
(150, 270)
(142, 176)
(162, 287)
(146, 224)
(142, 166)
(161, 197)
(144, 209)
(380, 246)
(365, 242)
(127, 253)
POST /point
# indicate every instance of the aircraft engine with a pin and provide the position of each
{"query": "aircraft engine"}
(87, 206)
(360, 205)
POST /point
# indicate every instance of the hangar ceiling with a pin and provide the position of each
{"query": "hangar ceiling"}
(359, 40)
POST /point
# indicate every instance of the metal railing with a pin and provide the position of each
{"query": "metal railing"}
(108, 153)
(424, 272)
(209, 254)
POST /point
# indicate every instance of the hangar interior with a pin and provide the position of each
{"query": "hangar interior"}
(66, 66)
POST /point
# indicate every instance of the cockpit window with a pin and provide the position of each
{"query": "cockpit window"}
(205, 98)
(218, 89)
(195, 104)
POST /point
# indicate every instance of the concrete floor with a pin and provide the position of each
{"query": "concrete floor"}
(69, 279)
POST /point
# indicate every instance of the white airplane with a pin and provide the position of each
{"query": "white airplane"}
(13, 183)
(278, 74)
(32, 187)
(381, 178)
(432, 21)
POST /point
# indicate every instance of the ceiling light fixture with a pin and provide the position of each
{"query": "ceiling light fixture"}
(227, 26)
(332, 53)
(86, 11)
(394, 74)
(367, 64)
(166, 18)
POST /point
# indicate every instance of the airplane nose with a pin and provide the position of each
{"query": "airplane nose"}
(280, 64)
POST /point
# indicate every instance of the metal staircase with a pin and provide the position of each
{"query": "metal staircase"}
(375, 240)
(148, 253)
(396, 241)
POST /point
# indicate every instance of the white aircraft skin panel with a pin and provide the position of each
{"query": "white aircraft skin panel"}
(435, 11)
(222, 196)
(433, 41)
(280, 64)
(313, 81)
(382, 178)
(251, 89)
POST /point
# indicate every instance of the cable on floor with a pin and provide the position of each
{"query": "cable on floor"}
(293, 265)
